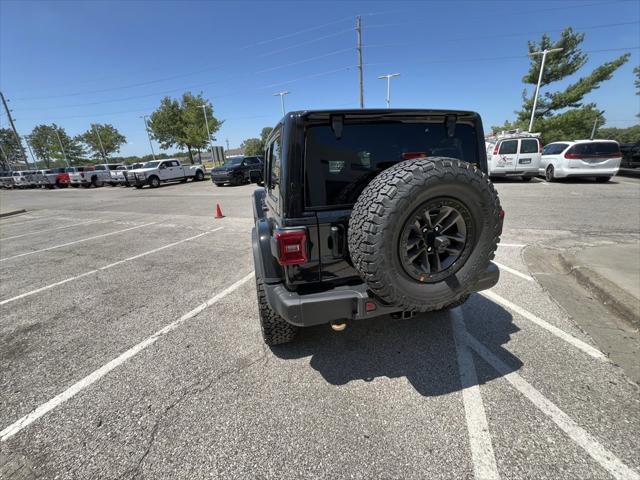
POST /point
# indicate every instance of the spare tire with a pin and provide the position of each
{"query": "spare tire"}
(423, 231)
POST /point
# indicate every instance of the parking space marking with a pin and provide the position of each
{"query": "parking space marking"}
(600, 454)
(76, 241)
(77, 387)
(579, 344)
(513, 271)
(49, 230)
(518, 245)
(484, 460)
(106, 267)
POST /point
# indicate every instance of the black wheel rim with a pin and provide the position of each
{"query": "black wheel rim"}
(549, 172)
(436, 240)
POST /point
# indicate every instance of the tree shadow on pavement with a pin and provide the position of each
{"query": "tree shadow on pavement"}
(421, 349)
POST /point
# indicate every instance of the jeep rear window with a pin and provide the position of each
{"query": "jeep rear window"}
(337, 170)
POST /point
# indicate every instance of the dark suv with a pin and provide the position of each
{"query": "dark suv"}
(238, 170)
(372, 212)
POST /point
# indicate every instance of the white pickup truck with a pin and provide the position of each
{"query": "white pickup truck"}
(96, 175)
(159, 171)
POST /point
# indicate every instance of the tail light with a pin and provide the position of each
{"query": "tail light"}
(617, 154)
(572, 156)
(82, 174)
(540, 147)
(412, 155)
(496, 148)
(292, 246)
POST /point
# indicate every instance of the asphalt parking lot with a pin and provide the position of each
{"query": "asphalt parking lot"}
(130, 348)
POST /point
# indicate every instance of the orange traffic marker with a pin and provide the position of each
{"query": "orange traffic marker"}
(218, 211)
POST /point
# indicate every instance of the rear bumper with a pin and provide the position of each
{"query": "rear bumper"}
(585, 172)
(530, 172)
(342, 303)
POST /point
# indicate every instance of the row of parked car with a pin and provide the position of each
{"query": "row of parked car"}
(138, 175)
(515, 153)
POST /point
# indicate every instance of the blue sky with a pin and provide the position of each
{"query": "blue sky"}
(76, 62)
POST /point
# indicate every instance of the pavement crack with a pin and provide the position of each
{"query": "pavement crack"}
(241, 364)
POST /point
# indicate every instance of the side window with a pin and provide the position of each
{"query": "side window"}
(275, 153)
(529, 145)
(508, 147)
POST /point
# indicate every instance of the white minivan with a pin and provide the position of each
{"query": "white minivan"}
(581, 158)
(513, 154)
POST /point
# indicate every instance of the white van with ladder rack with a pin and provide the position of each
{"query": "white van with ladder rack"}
(513, 153)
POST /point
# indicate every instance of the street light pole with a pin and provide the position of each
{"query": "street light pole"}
(204, 111)
(388, 76)
(281, 95)
(535, 98)
(104, 155)
(64, 154)
(146, 127)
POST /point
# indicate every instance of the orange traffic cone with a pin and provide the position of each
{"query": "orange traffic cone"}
(218, 211)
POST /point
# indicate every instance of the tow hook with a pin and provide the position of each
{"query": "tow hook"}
(338, 325)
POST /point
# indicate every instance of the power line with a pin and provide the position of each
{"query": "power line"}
(306, 60)
(486, 59)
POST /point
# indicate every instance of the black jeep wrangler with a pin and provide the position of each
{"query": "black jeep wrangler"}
(372, 212)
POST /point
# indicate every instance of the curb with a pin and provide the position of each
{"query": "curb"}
(612, 296)
(13, 212)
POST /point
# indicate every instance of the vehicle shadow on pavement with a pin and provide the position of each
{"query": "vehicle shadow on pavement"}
(421, 349)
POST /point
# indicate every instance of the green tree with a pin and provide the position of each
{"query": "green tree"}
(252, 146)
(562, 114)
(622, 135)
(42, 139)
(10, 151)
(256, 146)
(181, 123)
(636, 82)
(101, 137)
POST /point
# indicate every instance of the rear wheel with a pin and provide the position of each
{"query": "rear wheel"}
(602, 179)
(199, 176)
(275, 329)
(549, 174)
(423, 231)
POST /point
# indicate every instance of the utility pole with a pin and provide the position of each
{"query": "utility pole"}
(104, 155)
(359, 48)
(535, 98)
(15, 132)
(146, 127)
(389, 76)
(595, 127)
(33, 157)
(227, 141)
(204, 111)
(8, 162)
(281, 94)
(62, 148)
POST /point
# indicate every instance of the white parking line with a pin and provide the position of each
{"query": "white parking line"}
(585, 347)
(116, 362)
(111, 265)
(76, 241)
(600, 454)
(518, 245)
(2, 239)
(513, 271)
(484, 460)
